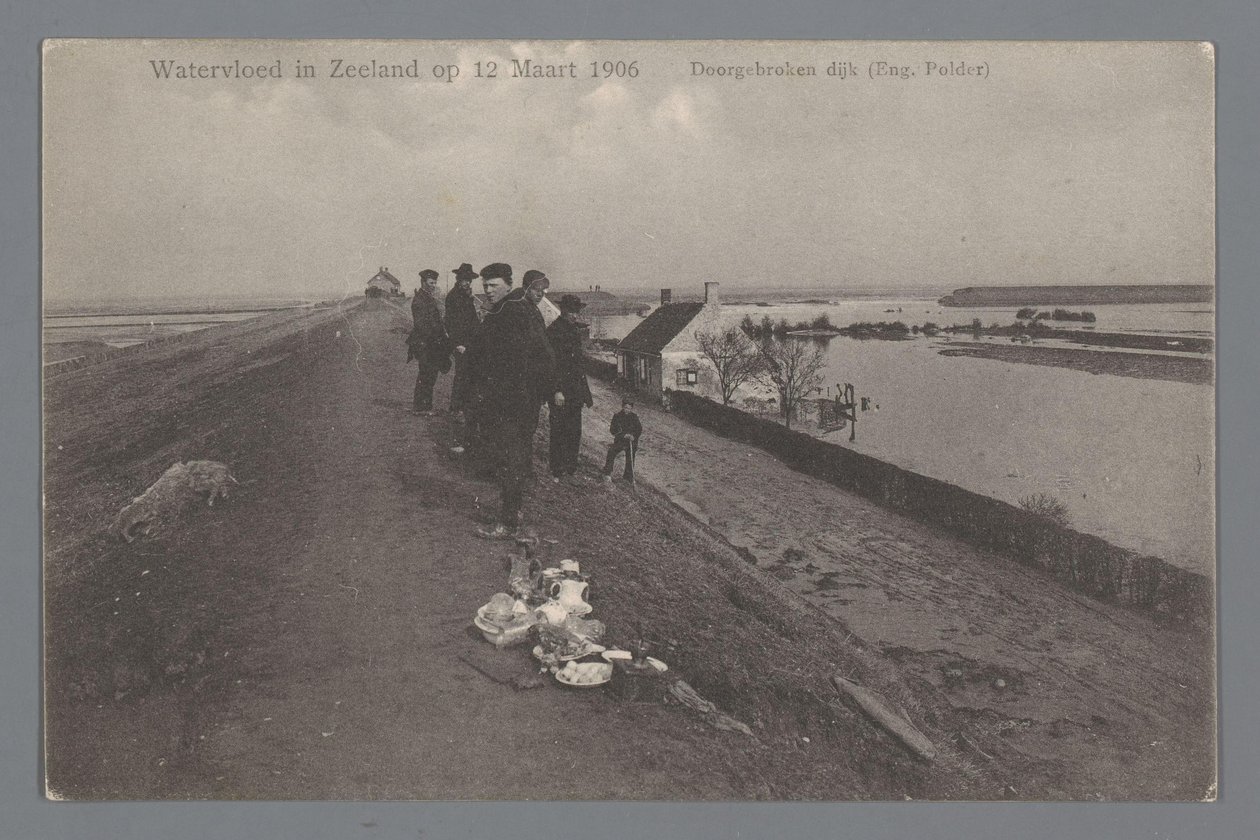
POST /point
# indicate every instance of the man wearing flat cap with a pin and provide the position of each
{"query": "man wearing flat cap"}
(461, 323)
(427, 343)
(513, 370)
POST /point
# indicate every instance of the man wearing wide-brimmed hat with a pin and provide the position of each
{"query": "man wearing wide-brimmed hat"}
(427, 342)
(566, 335)
(461, 324)
(513, 370)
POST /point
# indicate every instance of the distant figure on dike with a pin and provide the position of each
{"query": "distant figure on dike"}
(626, 429)
(514, 373)
(565, 335)
(462, 321)
(427, 343)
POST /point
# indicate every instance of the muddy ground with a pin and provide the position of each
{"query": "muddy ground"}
(310, 638)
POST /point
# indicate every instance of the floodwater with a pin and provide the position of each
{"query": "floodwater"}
(1133, 460)
(123, 323)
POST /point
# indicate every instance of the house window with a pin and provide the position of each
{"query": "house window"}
(687, 377)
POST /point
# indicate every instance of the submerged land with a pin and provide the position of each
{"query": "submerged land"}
(310, 638)
(1078, 295)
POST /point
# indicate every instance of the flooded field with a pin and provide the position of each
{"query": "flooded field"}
(76, 329)
(1133, 460)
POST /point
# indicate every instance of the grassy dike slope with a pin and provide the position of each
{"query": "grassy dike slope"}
(310, 638)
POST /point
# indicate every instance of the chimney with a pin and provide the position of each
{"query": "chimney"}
(711, 292)
(667, 295)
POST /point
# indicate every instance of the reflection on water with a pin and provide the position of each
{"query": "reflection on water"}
(1132, 459)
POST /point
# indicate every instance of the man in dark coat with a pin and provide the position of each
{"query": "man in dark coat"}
(535, 284)
(427, 343)
(514, 372)
(462, 322)
(626, 429)
(565, 335)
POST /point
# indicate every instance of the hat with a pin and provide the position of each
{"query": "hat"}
(570, 303)
(464, 272)
(503, 271)
(534, 276)
(428, 274)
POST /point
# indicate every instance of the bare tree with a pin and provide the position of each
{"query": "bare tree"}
(733, 357)
(794, 368)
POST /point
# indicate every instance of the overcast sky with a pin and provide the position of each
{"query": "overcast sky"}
(1070, 163)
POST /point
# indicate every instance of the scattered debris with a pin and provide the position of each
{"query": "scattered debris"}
(687, 695)
(972, 745)
(880, 710)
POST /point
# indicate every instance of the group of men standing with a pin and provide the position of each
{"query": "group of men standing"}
(508, 362)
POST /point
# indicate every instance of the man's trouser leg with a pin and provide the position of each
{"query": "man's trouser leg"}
(426, 378)
(631, 450)
(565, 437)
(517, 445)
(557, 419)
(614, 449)
(573, 439)
(459, 385)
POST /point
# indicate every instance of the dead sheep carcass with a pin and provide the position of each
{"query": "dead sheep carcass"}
(176, 489)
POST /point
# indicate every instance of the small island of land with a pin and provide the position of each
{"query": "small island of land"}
(1077, 295)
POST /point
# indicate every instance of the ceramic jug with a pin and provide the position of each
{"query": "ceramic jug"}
(572, 595)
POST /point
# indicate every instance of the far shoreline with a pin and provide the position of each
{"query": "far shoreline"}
(1190, 370)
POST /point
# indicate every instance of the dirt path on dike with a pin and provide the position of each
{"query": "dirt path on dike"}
(341, 619)
(1117, 703)
(310, 638)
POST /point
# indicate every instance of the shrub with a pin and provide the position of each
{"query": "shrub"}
(1048, 506)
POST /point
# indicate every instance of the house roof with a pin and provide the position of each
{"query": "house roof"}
(660, 328)
(384, 277)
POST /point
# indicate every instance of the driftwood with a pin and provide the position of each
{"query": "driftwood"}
(881, 711)
(687, 695)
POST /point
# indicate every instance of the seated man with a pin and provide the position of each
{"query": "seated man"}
(626, 429)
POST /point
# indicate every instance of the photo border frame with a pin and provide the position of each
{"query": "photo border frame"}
(1230, 24)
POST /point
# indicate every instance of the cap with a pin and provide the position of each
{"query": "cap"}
(502, 271)
(428, 274)
(534, 276)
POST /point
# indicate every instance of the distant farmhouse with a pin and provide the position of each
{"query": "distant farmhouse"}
(383, 284)
(662, 351)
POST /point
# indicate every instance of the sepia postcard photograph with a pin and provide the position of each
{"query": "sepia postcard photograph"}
(629, 420)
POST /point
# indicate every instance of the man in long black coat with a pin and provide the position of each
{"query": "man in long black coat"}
(427, 342)
(461, 324)
(513, 372)
(565, 335)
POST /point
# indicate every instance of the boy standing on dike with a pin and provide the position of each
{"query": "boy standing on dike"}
(626, 429)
